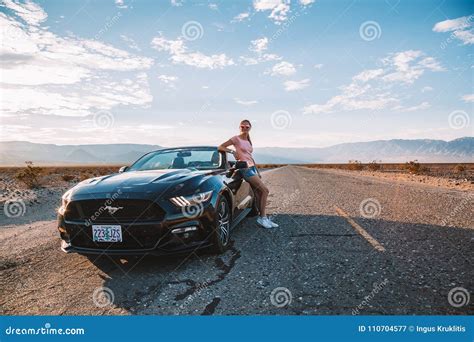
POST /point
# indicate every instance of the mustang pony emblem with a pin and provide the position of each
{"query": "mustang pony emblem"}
(112, 210)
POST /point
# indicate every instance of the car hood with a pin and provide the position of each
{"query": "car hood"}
(143, 182)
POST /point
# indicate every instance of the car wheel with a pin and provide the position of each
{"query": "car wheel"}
(221, 229)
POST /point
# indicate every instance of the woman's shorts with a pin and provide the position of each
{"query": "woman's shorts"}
(249, 172)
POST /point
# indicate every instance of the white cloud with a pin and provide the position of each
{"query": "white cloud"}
(86, 132)
(244, 102)
(296, 85)
(44, 73)
(130, 42)
(180, 54)
(426, 89)
(318, 66)
(368, 75)
(409, 65)
(306, 2)
(352, 98)
(259, 45)
(373, 89)
(453, 24)
(279, 9)
(177, 3)
(213, 6)
(467, 37)
(249, 60)
(168, 80)
(241, 17)
(282, 69)
(101, 94)
(120, 4)
(421, 106)
(30, 12)
(266, 57)
(468, 98)
(461, 28)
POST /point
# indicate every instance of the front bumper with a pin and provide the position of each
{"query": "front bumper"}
(140, 238)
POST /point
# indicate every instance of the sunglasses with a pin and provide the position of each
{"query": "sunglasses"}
(242, 126)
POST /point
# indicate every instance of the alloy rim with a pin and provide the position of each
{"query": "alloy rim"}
(223, 217)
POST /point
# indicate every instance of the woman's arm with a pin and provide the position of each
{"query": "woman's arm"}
(223, 147)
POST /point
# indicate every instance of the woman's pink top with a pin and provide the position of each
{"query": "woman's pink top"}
(244, 150)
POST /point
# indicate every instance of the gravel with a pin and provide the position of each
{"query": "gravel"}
(314, 263)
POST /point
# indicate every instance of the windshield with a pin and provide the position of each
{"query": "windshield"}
(185, 158)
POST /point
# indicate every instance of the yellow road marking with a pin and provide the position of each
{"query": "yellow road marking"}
(361, 230)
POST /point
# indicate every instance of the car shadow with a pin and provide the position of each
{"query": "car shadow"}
(326, 265)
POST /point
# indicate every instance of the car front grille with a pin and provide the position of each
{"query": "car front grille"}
(102, 211)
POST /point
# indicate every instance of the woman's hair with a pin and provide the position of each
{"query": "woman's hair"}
(248, 135)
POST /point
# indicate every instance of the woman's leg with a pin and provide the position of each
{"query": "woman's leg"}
(258, 185)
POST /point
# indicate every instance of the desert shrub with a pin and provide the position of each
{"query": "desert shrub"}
(373, 166)
(68, 178)
(30, 175)
(414, 167)
(355, 165)
(459, 168)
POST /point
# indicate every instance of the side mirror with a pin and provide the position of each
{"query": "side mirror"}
(123, 169)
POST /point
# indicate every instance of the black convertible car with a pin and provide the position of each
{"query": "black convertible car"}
(169, 201)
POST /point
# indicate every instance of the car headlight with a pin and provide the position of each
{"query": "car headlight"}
(64, 202)
(183, 201)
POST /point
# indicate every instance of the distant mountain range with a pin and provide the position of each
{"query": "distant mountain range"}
(397, 150)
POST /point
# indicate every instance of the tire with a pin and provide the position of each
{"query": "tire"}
(221, 227)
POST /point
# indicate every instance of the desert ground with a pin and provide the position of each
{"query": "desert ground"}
(349, 242)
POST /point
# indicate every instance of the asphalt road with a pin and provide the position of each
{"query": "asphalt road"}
(400, 253)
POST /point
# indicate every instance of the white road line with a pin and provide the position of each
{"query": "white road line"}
(360, 230)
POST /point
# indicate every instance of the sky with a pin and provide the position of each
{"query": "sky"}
(306, 73)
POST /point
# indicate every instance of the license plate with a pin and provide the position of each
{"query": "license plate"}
(106, 233)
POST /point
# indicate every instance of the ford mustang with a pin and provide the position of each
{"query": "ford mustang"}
(169, 201)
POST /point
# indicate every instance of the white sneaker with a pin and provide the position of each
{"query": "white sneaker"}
(274, 225)
(264, 222)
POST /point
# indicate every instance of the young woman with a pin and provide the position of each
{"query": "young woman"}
(243, 152)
